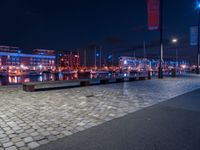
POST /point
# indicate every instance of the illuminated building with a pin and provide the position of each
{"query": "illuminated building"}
(132, 63)
(68, 60)
(12, 58)
(40, 59)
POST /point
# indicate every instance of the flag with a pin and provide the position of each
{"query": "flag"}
(193, 35)
(153, 10)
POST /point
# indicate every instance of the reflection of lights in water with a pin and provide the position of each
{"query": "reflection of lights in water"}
(75, 76)
(52, 77)
(26, 80)
(34, 78)
(14, 80)
(91, 76)
(125, 75)
(60, 75)
(45, 77)
(40, 78)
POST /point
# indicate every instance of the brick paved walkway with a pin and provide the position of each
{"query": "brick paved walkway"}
(28, 120)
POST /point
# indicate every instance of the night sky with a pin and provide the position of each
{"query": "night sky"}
(65, 25)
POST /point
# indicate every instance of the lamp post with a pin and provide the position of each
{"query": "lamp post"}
(175, 41)
(198, 44)
(160, 69)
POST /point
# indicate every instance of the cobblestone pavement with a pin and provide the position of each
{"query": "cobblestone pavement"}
(28, 120)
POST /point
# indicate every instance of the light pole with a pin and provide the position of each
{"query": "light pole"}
(198, 44)
(175, 41)
(160, 69)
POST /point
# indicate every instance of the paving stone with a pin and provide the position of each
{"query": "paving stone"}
(4, 140)
(59, 136)
(20, 144)
(2, 135)
(66, 132)
(40, 129)
(24, 148)
(33, 145)
(12, 135)
(51, 138)
(54, 132)
(11, 148)
(38, 137)
(19, 131)
(42, 142)
(9, 132)
(16, 128)
(28, 139)
(7, 128)
(16, 139)
(45, 133)
(30, 131)
(23, 135)
(8, 144)
(34, 134)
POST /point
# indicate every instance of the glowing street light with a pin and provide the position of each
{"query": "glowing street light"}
(175, 41)
(197, 4)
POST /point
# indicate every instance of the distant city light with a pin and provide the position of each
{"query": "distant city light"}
(40, 66)
(110, 57)
(125, 75)
(21, 66)
(183, 66)
(197, 4)
(97, 54)
(125, 62)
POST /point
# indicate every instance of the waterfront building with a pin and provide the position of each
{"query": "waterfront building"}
(68, 60)
(11, 58)
(129, 64)
(132, 63)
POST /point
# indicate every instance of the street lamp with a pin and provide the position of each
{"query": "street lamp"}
(175, 41)
(198, 44)
(160, 69)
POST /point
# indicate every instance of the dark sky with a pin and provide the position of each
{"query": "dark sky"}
(70, 24)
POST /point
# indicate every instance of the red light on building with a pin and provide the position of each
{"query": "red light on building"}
(69, 60)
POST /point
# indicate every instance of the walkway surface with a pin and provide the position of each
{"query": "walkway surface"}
(170, 125)
(29, 120)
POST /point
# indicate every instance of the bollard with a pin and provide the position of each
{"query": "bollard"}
(149, 75)
(173, 72)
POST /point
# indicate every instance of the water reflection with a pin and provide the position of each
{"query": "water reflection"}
(5, 80)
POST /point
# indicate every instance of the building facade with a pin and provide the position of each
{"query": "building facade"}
(39, 59)
(12, 58)
(68, 60)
